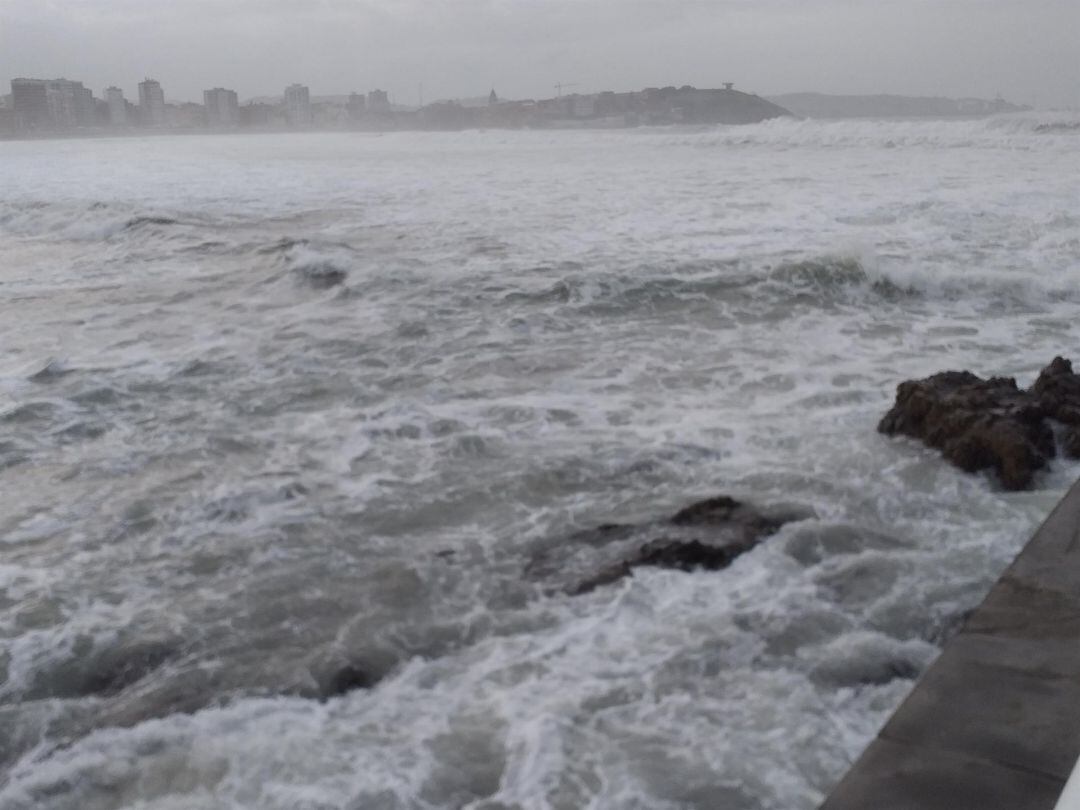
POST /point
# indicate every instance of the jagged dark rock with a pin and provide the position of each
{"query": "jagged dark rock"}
(346, 679)
(991, 424)
(1058, 391)
(707, 535)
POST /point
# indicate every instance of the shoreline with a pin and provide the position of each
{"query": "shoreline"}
(568, 126)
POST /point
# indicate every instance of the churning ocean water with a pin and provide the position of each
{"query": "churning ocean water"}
(283, 420)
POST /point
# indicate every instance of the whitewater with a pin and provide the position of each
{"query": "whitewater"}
(284, 418)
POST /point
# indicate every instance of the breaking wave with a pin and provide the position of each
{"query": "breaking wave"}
(823, 280)
(1025, 131)
(86, 222)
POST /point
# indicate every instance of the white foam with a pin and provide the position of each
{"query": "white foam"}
(537, 332)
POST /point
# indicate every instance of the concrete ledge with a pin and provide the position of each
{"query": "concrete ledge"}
(994, 724)
(894, 776)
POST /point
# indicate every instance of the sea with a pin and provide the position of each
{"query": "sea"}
(284, 418)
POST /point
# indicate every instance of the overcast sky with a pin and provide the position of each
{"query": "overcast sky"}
(1029, 51)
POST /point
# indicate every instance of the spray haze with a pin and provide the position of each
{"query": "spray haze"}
(1026, 51)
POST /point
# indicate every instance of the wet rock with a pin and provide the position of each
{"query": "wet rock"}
(1070, 442)
(139, 222)
(724, 511)
(667, 553)
(322, 275)
(332, 672)
(707, 535)
(345, 679)
(1058, 393)
(991, 424)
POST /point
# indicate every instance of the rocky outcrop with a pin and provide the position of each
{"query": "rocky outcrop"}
(707, 535)
(1058, 394)
(991, 424)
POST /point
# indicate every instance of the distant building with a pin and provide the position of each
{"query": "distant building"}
(152, 103)
(222, 107)
(30, 104)
(51, 104)
(582, 106)
(70, 104)
(114, 97)
(607, 103)
(357, 105)
(187, 115)
(493, 99)
(298, 105)
(7, 115)
(446, 115)
(378, 101)
(82, 111)
(328, 115)
(260, 115)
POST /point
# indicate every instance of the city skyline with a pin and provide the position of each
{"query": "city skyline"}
(424, 97)
(48, 106)
(423, 94)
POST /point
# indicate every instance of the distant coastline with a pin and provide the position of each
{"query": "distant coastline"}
(60, 108)
(823, 105)
(63, 109)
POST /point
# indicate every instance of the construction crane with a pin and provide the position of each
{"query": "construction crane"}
(559, 87)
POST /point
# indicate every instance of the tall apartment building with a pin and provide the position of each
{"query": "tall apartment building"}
(187, 115)
(298, 105)
(222, 107)
(42, 104)
(151, 103)
(114, 97)
(30, 104)
(378, 101)
(357, 105)
(74, 104)
(7, 115)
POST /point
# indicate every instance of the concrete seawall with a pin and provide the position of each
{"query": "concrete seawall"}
(994, 724)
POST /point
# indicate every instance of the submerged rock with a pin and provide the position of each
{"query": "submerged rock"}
(991, 424)
(336, 675)
(322, 274)
(707, 535)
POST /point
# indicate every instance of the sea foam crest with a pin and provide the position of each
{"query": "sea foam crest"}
(79, 221)
(1016, 131)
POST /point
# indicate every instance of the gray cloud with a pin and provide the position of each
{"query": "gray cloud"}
(1026, 50)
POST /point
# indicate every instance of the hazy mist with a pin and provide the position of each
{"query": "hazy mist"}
(1025, 50)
